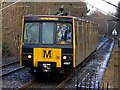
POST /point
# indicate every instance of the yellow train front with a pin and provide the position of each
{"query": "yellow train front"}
(56, 43)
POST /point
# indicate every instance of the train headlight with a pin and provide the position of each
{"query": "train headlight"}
(64, 57)
(29, 56)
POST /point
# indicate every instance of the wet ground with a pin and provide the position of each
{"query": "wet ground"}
(112, 73)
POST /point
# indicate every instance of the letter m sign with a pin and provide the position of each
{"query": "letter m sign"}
(47, 54)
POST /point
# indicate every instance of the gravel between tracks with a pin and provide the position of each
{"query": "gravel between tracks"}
(10, 68)
(17, 79)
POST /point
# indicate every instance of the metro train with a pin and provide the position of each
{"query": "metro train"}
(52, 43)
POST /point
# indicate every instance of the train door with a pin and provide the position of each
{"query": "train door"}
(91, 41)
(83, 44)
(81, 41)
(77, 43)
(86, 38)
(96, 35)
(93, 48)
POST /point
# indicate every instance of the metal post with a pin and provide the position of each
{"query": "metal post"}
(89, 85)
(89, 82)
(98, 85)
(94, 84)
(77, 85)
(107, 85)
(81, 85)
(103, 86)
(85, 84)
(107, 28)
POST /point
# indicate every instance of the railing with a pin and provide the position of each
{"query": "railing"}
(90, 83)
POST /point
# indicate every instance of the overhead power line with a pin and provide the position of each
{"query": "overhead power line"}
(9, 5)
(83, 0)
(118, 19)
(111, 4)
(102, 11)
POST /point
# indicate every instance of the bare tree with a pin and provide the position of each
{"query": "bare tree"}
(102, 20)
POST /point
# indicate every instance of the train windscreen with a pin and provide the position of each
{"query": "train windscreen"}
(64, 33)
(31, 33)
(47, 33)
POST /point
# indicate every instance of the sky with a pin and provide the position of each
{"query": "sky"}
(102, 5)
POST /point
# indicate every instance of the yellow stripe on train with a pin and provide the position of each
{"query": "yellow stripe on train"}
(47, 55)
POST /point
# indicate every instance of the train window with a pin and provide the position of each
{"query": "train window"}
(31, 33)
(64, 33)
(47, 33)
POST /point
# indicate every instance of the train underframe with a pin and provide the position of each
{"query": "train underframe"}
(50, 70)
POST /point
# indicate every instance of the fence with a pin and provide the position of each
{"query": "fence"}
(90, 83)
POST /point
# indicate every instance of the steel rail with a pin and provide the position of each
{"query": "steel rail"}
(5, 65)
(26, 85)
(3, 75)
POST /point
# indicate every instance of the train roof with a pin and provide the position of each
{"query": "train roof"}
(30, 16)
(49, 16)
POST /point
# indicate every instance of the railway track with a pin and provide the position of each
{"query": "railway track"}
(8, 64)
(25, 86)
(48, 83)
(31, 83)
(10, 68)
(62, 83)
